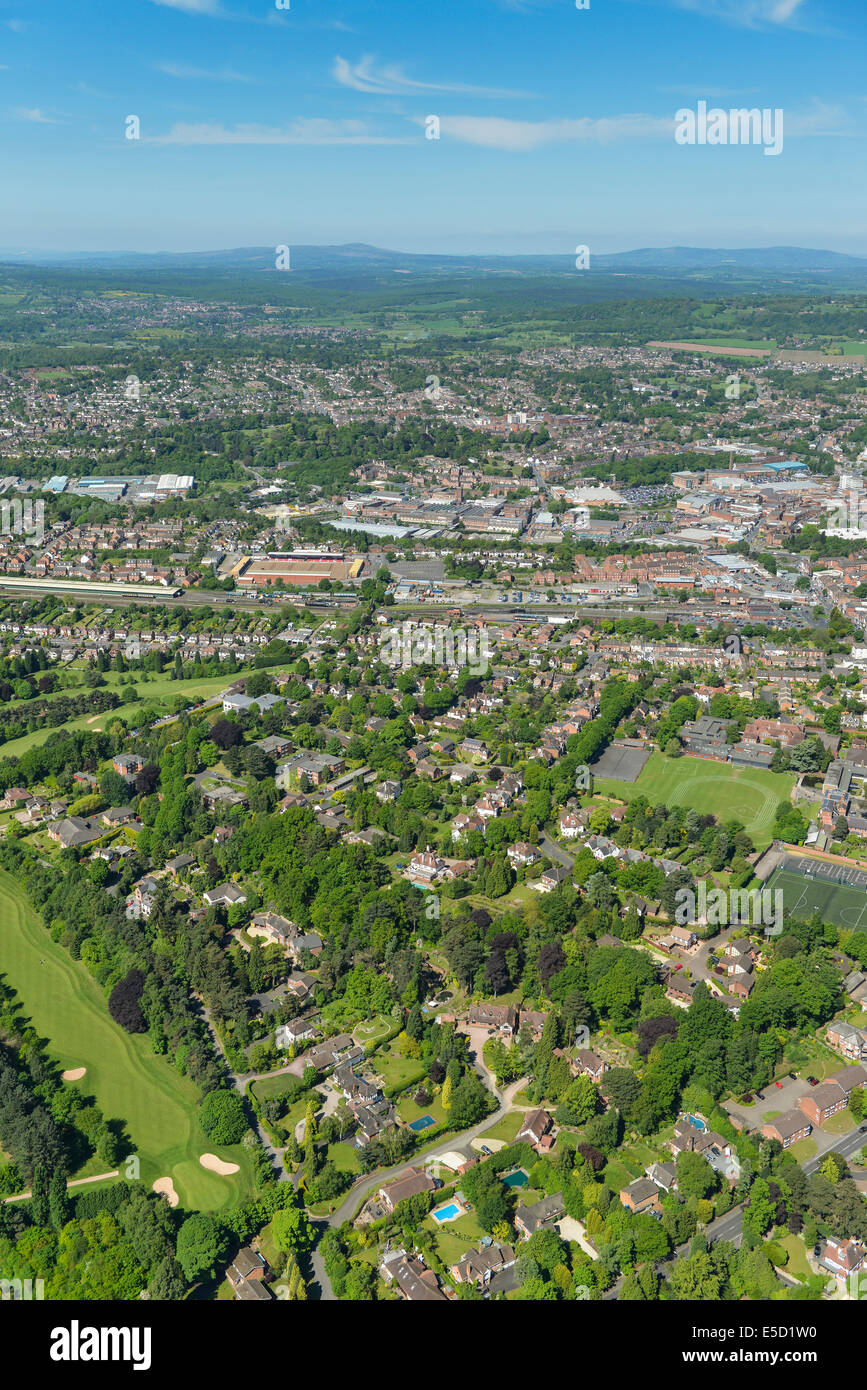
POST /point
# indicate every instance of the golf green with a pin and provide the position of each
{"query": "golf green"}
(158, 1106)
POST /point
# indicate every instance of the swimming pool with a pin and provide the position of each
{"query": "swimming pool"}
(695, 1121)
(423, 1123)
(447, 1213)
(517, 1179)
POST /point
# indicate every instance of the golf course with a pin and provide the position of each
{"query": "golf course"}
(158, 1106)
(750, 795)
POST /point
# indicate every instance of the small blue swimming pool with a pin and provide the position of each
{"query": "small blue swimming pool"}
(447, 1213)
(695, 1121)
(517, 1179)
(424, 1123)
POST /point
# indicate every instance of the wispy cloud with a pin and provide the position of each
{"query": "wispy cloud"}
(751, 14)
(500, 133)
(311, 131)
(16, 25)
(364, 76)
(34, 114)
(185, 71)
(86, 90)
(207, 7)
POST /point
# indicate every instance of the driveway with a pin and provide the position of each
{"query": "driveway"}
(776, 1101)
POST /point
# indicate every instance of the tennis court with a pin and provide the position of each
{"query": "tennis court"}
(620, 763)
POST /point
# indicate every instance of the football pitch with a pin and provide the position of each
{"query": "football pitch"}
(751, 795)
(841, 903)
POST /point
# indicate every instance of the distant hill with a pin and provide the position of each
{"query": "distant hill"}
(357, 257)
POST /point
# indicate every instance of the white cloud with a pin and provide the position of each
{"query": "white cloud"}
(34, 115)
(392, 81)
(183, 70)
(208, 7)
(499, 133)
(312, 131)
(16, 25)
(750, 14)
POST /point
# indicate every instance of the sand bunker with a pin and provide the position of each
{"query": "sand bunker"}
(218, 1165)
(166, 1188)
(74, 1075)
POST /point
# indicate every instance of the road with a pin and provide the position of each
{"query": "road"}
(239, 1081)
(320, 1287)
(731, 1226)
(554, 851)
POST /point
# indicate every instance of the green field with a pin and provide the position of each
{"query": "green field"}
(839, 903)
(130, 1082)
(749, 795)
(156, 694)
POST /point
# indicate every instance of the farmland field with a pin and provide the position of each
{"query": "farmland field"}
(747, 794)
(159, 1107)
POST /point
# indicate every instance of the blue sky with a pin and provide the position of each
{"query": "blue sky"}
(262, 125)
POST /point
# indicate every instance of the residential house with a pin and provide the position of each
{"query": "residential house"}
(842, 1257)
(246, 1275)
(296, 1031)
(416, 1282)
(788, 1128)
(500, 1017)
(534, 1218)
(521, 854)
(823, 1101)
(535, 1129)
(224, 895)
(411, 1182)
(844, 1038)
(272, 927)
(553, 877)
(590, 1063)
(479, 1266)
(74, 831)
(641, 1195)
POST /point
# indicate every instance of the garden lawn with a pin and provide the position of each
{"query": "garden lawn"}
(408, 1110)
(454, 1237)
(158, 1106)
(373, 1030)
(616, 1175)
(841, 1123)
(745, 794)
(804, 1149)
(797, 1252)
(398, 1072)
(506, 1128)
(345, 1158)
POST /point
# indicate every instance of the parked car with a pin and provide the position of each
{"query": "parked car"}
(760, 1095)
(863, 1129)
(679, 965)
(779, 1085)
(486, 1151)
(813, 1080)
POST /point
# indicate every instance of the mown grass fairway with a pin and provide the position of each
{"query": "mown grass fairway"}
(156, 694)
(746, 794)
(158, 1106)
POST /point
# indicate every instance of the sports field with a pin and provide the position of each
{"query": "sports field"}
(749, 794)
(841, 903)
(131, 1083)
